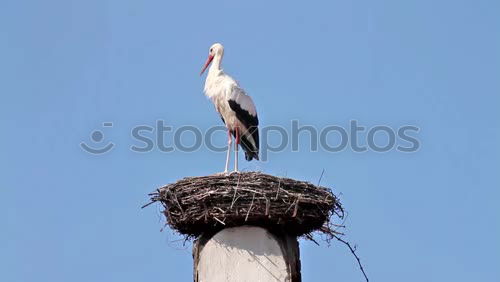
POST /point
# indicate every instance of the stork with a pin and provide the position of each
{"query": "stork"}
(235, 107)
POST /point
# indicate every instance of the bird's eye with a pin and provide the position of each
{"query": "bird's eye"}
(211, 50)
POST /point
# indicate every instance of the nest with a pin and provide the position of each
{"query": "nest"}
(198, 205)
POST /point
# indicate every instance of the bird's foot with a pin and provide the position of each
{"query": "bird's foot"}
(227, 173)
(224, 173)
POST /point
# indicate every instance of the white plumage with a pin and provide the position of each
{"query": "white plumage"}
(235, 107)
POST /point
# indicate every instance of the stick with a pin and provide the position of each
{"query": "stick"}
(234, 195)
(296, 207)
(354, 253)
(321, 176)
(251, 205)
(222, 222)
(277, 192)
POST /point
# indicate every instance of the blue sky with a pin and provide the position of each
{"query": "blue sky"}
(68, 66)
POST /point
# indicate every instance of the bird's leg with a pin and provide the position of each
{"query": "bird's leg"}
(229, 141)
(236, 143)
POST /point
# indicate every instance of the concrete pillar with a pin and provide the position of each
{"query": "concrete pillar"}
(246, 253)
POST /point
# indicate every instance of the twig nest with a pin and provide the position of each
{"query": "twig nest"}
(207, 204)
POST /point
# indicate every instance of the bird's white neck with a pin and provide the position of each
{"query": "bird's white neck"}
(215, 68)
(212, 81)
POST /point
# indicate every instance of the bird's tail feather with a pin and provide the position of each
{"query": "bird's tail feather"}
(251, 149)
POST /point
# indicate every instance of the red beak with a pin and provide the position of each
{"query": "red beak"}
(209, 60)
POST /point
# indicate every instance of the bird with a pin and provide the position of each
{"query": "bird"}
(235, 107)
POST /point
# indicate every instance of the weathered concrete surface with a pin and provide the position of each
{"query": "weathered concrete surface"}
(246, 253)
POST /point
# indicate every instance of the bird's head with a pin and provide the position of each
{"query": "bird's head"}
(216, 50)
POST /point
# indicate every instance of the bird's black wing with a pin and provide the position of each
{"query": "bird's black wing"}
(250, 138)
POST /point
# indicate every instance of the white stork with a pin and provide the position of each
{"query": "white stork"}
(235, 107)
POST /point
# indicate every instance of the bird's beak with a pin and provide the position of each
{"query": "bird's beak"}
(209, 60)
